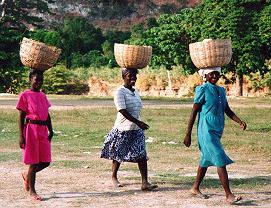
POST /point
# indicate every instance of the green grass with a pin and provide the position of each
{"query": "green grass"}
(85, 128)
(82, 129)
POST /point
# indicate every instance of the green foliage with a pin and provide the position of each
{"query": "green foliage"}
(151, 22)
(169, 41)
(52, 38)
(112, 37)
(12, 29)
(233, 19)
(60, 80)
(78, 35)
(259, 81)
(247, 23)
(13, 80)
(111, 75)
(17, 15)
(92, 58)
(137, 31)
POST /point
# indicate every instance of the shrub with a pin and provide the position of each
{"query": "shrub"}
(60, 80)
(93, 58)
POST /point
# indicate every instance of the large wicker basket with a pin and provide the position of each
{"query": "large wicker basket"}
(211, 53)
(37, 55)
(132, 56)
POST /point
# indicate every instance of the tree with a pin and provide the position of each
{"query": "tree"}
(15, 20)
(78, 35)
(112, 37)
(169, 41)
(235, 19)
(246, 22)
(49, 37)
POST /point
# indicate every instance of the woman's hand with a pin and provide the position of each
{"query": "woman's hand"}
(22, 142)
(243, 125)
(51, 134)
(142, 125)
(187, 140)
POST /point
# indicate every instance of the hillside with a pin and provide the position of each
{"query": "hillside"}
(120, 14)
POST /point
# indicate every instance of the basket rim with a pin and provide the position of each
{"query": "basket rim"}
(40, 43)
(211, 40)
(130, 45)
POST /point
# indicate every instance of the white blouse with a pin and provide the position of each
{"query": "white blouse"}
(126, 99)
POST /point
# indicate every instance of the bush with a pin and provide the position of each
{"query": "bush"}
(60, 80)
(13, 80)
(93, 58)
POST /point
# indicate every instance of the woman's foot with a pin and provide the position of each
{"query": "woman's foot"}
(231, 199)
(35, 197)
(116, 183)
(197, 193)
(26, 184)
(148, 186)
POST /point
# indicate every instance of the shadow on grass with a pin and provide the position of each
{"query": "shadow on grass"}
(240, 182)
(260, 129)
(245, 183)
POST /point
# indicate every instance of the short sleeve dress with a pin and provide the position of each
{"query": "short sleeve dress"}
(126, 141)
(211, 125)
(37, 146)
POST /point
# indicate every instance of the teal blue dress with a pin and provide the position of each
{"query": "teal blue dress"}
(211, 124)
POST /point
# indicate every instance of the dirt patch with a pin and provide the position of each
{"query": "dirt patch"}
(84, 187)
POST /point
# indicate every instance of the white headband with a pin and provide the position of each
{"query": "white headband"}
(203, 72)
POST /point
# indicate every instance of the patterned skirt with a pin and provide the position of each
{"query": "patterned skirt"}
(124, 146)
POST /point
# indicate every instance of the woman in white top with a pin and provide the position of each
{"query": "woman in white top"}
(126, 140)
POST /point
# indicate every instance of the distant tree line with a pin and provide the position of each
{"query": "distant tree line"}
(246, 22)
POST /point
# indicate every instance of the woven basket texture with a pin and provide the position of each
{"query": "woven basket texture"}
(132, 56)
(37, 55)
(211, 53)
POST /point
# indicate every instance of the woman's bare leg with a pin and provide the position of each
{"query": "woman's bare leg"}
(115, 168)
(199, 178)
(223, 177)
(143, 168)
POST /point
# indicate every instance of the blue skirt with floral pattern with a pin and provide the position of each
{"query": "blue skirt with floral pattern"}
(125, 146)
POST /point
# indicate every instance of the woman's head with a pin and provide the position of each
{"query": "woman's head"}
(211, 75)
(36, 79)
(129, 76)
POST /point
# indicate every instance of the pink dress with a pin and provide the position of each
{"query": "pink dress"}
(37, 146)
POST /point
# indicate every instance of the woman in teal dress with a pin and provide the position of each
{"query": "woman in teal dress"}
(210, 104)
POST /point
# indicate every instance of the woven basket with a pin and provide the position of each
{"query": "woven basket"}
(37, 55)
(211, 53)
(132, 56)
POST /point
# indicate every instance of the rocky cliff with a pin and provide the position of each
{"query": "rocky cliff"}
(114, 14)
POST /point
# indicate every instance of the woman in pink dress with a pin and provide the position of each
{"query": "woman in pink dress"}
(34, 124)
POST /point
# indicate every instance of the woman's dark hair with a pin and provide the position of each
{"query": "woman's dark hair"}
(34, 72)
(127, 71)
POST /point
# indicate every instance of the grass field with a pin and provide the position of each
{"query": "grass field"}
(79, 137)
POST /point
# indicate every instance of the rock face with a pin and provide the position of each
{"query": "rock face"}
(120, 14)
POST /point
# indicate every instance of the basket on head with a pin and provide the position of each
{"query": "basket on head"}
(211, 53)
(37, 55)
(132, 56)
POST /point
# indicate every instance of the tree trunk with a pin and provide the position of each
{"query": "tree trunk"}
(239, 84)
(169, 80)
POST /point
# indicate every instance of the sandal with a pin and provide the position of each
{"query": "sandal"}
(117, 185)
(149, 187)
(200, 195)
(234, 200)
